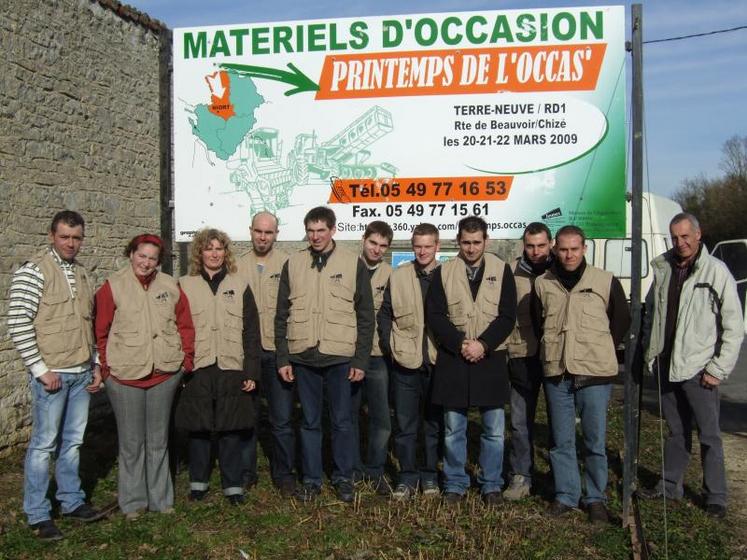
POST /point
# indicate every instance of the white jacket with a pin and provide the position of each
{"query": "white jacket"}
(710, 326)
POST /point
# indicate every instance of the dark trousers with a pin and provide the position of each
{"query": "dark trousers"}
(526, 381)
(279, 396)
(412, 402)
(375, 390)
(230, 460)
(682, 403)
(311, 383)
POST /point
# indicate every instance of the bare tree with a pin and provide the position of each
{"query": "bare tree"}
(720, 204)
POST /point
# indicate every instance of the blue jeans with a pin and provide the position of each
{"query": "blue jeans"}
(491, 450)
(311, 382)
(412, 405)
(63, 413)
(279, 396)
(564, 401)
(375, 388)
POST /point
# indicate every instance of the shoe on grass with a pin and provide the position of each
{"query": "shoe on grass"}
(453, 498)
(403, 492)
(717, 511)
(655, 493)
(492, 499)
(287, 487)
(345, 491)
(84, 513)
(46, 531)
(307, 493)
(236, 499)
(558, 509)
(382, 486)
(197, 495)
(430, 489)
(598, 513)
(518, 488)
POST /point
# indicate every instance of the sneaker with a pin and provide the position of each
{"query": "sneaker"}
(518, 488)
(716, 511)
(46, 531)
(197, 495)
(307, 493)
(403, 492)
(598, 513)
(492, 499)
(382, 487)
(85, 513)
(133, 515)
(287, 487)
(430, 489)
(236, 499)
(558, 509)
(345, 491)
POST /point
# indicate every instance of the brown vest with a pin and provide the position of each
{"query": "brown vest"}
(576, 333)
(143, 335)
(265, 289)
(218, 319)
(523, 341)
(322, 310)
(408, 319)
(64, 330)
(379, 281)
(470, 316)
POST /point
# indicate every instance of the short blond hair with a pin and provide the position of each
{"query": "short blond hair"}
(200, 242)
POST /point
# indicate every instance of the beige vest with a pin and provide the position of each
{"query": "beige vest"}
(322, 310)
(408, 319)
(576, 333)
(470, 316)
(379, 280)
(265, 289)
(64, 330)
(522, 342)
(218, 320)
(143, 335)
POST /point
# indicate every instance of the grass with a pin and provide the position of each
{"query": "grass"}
(270, 527)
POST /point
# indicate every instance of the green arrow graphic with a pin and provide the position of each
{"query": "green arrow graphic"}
(295, 77)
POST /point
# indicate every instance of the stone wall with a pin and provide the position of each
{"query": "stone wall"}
(80, 106)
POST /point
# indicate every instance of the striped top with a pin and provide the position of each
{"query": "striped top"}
(26, 289)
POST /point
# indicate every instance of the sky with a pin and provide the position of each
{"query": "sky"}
(695, 90)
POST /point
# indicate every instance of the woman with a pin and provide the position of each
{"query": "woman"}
(145, 339)
(217, 397)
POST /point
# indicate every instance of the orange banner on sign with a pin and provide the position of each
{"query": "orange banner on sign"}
(466, 71)
(426, 189)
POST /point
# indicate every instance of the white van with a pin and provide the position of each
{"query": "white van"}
(614, 254)
(734, 254)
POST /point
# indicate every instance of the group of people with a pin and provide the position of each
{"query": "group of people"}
(423, 344)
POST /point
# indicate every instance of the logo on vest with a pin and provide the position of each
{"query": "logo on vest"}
(336, 278)
(163, 297)
(491, 280)
(229, 294)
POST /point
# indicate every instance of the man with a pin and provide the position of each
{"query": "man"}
(524, 366)
(406, 339)
(262, 266)
(584, 317)
(375, 386)
(49, 322)
(471, 309)
(694, 329)
(323, 335)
